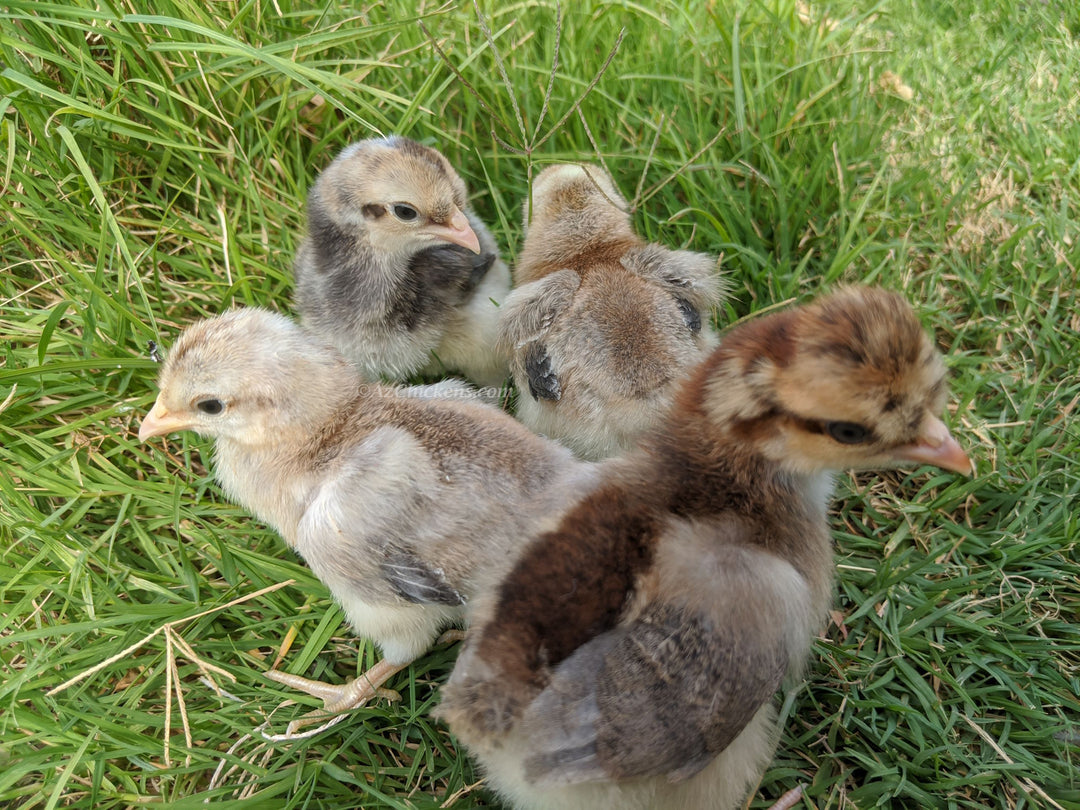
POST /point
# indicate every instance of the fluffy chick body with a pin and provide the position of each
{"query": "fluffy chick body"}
(600, 325)
(701, 568)
(396, 270)
(401, 502)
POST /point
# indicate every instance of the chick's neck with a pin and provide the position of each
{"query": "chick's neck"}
(276, 477)
(712, 470)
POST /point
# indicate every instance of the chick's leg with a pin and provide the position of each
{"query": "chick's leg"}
(339, 698)
(353, 694)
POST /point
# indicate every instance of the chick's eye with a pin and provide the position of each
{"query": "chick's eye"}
(406, 213)
(210, 406)
(847, 432)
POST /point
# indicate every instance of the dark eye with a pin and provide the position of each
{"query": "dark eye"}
(847, 432)
(210, 406)
(406, 213)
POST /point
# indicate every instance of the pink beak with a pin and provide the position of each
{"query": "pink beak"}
(938, 447)
(457, 231)
(159, 422)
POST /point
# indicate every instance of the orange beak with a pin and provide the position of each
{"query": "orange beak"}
(457, 231)
(159, 422)
(938, 447)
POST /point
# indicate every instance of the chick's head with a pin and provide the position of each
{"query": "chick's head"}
(580, 200)
(403, 195)
(851, 381)
(250, 376)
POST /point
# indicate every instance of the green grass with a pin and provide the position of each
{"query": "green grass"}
(153, 172)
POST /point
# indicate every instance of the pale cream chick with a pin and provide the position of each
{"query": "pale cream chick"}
(631, 656)
(402, 503)
(600, 326)
(396, 270)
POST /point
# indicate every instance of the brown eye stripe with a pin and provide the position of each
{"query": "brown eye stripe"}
(821, 426)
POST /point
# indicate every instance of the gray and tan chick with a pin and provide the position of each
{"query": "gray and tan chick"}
(402, 504)
(396, 271)
(639, 645)
(600, 325)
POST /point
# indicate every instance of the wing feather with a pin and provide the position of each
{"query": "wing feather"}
(661, 696)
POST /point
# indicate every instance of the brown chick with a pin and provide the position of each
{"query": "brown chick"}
(401, 503)
(638, 646)
(600, 325)
(396, 271)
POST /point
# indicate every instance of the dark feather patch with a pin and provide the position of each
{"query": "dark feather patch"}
(543, 381)
(415, 581)
(675, 691)
(449, 271)
(570, 585)
(435, 280)
(691, 317)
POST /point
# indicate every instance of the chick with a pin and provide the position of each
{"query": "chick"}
(638, 645)
(396, 271)
(401, 502)
(600, 325)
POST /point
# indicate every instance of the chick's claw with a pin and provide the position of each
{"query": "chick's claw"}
(451, 636)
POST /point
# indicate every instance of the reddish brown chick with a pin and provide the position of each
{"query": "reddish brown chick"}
(630, 658)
